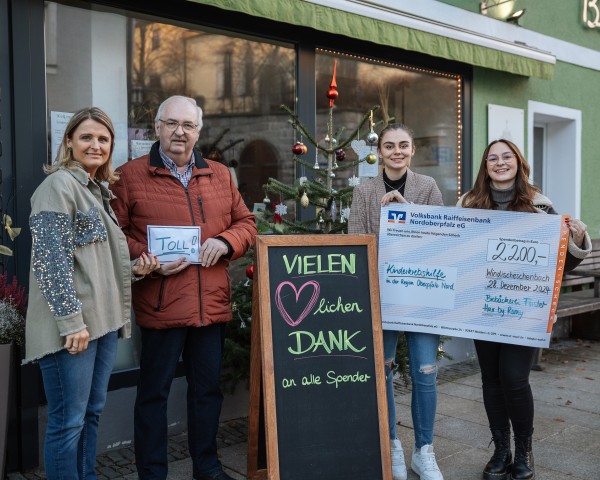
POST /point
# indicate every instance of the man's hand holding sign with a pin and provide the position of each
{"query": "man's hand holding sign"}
(179, 247)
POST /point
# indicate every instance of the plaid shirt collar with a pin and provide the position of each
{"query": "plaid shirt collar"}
(184, 177)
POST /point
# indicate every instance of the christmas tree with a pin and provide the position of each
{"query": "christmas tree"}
(331, 211)
(331, 207)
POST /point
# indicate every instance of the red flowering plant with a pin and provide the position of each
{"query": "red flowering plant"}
(13, 298)
(13, 305)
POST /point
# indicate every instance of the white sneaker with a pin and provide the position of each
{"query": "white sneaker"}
(423, 464)
(398, 465)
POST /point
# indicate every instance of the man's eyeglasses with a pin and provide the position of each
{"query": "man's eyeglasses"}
(506, 157)
(171, 126)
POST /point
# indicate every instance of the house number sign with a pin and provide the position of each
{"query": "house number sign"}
(591, 13)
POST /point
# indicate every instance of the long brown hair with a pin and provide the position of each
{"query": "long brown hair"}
(481, 196)
(64, 157)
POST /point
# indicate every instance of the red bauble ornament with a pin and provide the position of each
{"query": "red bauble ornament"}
(250, 272)
(299, 148)
(332, 94)
(340, 155)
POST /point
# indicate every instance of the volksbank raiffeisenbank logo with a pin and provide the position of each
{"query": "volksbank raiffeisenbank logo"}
(395, 216)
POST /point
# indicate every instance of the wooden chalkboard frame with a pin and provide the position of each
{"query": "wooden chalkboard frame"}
(263, 447)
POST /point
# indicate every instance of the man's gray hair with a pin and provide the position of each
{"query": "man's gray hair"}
(179, 97)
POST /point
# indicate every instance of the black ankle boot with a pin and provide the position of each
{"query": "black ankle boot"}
(523, 468)
(500, 464)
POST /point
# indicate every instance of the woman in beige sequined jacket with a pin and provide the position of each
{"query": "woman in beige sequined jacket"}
(79, 291)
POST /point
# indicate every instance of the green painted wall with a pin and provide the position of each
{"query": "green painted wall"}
(556, 18)
(471, 5)
(572, 87)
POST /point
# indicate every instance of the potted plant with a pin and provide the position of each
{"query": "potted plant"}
(13, 304)
(13, 298)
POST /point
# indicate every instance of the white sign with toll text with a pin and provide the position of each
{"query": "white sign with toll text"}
(172, 243)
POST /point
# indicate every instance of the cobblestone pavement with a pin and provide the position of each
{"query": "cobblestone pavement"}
(119, 463)
(567, 423)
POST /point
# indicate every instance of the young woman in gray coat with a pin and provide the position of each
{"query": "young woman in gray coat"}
(397, 183)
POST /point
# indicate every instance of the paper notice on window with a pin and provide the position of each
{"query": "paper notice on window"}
(140, 148)
(362, 150)
(365, 169)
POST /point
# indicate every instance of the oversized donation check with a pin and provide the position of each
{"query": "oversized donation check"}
(483, 274)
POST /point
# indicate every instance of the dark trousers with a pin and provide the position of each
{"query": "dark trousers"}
(200, 349)
(506, 391)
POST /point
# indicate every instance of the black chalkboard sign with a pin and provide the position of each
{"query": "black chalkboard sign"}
(323, 380)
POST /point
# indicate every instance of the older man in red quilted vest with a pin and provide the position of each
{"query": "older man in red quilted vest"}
(182, 308)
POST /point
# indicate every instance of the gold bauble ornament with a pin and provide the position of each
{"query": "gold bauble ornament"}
(371, 158)
(304, 200)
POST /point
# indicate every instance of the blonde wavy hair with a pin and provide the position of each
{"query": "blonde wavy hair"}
(64, 157)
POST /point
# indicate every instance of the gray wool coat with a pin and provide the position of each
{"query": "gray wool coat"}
(366, 200)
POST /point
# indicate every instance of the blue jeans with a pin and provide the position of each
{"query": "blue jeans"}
(422, 355)
(75, 387)
(200, 349)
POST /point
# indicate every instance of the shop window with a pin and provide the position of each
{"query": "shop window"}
(427, 101)
(127, 66)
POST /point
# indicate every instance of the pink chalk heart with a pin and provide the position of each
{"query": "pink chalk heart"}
(309, 306)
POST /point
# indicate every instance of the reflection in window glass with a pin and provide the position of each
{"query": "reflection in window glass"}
(127, 66)
(426, 101)
(240, 85)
